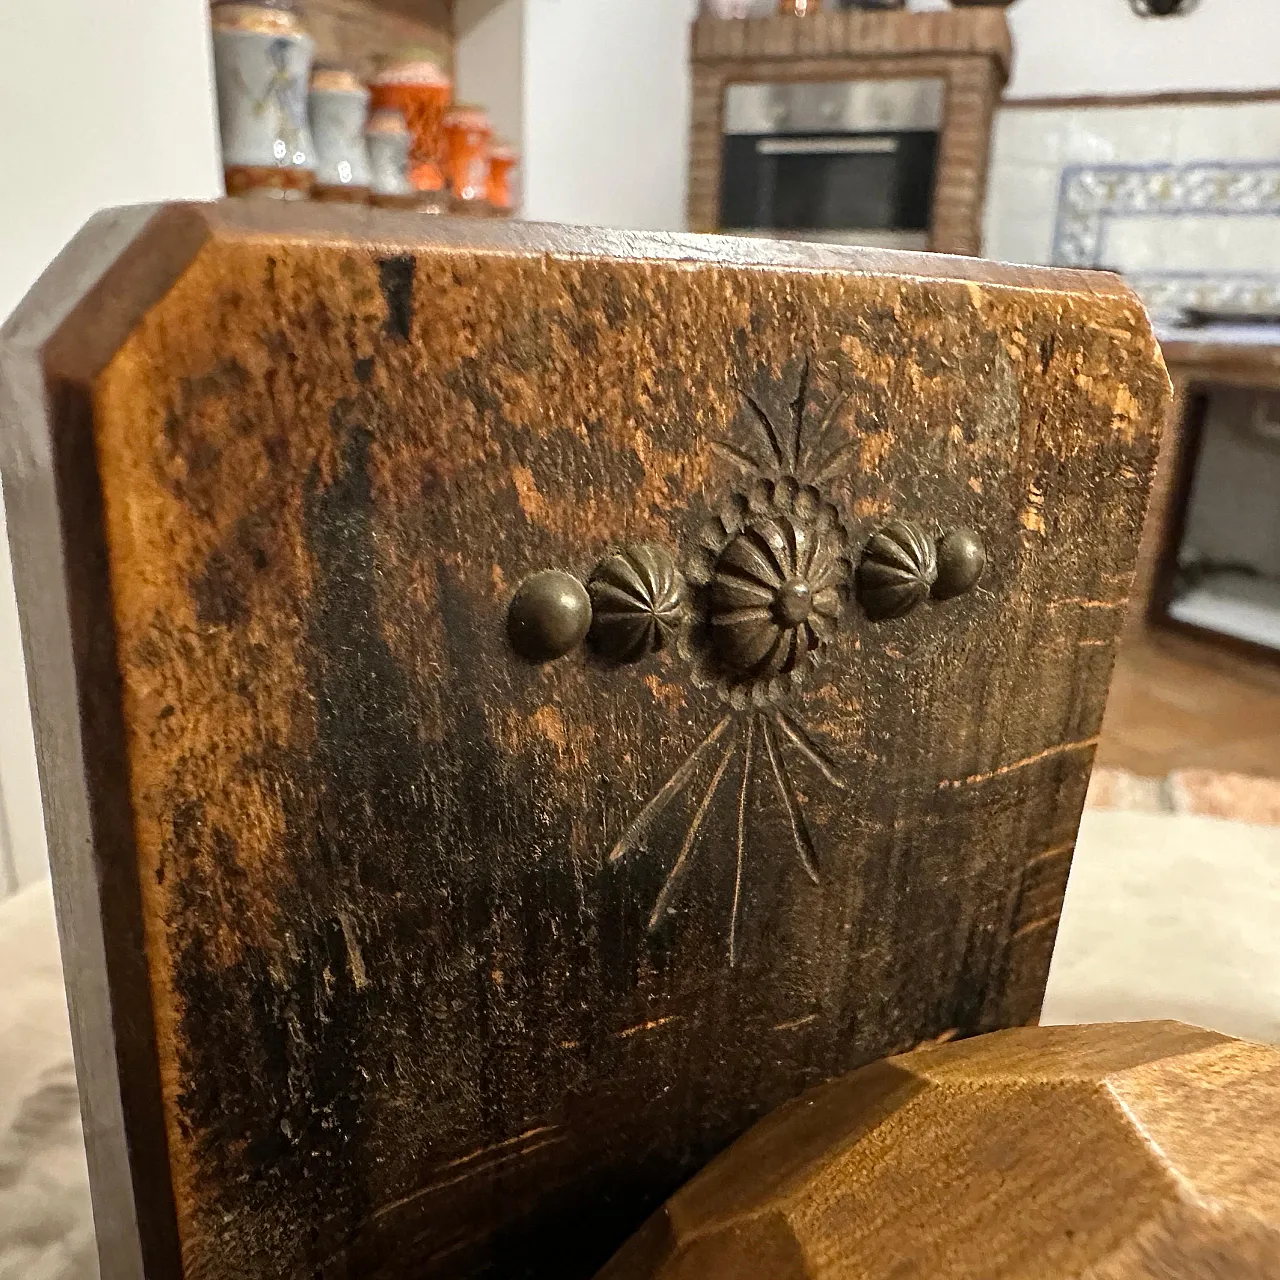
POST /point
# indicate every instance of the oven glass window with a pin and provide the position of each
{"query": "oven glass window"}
(832, 160)
(805, 183)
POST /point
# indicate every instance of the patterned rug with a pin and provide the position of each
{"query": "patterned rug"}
(1199, 792)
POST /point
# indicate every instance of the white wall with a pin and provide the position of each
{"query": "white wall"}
(606, 87)
(101, 105)
(488, 62)
(606, 111)
(1066, 48)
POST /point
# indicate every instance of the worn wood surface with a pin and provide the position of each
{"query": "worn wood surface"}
(408, 1005)
(970, 50)
(1141, 1151)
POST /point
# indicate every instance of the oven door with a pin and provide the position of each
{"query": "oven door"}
(853, 161)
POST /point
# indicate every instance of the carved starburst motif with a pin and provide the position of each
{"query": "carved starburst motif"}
(771, 575)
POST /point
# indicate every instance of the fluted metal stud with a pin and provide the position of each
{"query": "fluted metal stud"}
(637, 603)
(898, 570)
(775, 595)
(549, 616)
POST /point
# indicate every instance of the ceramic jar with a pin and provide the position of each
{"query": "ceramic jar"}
(419, 89)
(503, 159)
(388, 140)
(262, 61)
(339, 107)
(800, 8)
(467, 135)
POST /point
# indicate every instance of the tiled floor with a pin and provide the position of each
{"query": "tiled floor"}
(1169, 711)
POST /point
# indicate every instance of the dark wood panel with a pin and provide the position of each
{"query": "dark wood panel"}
(412, 989)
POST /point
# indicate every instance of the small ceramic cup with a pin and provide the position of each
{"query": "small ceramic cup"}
(467, 137)
(503, 159)
(417, 86)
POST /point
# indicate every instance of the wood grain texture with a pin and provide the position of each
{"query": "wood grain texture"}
(969, 49)
(1129, 1152)
(408, 1015)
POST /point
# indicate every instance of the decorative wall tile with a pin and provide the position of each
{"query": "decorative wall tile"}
(1185, 201)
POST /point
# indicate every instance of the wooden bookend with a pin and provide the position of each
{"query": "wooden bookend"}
(1143, 1151)
(397, 944)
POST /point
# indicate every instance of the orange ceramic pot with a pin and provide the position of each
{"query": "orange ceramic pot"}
(420, 91)
(467, 136)
(503, 159)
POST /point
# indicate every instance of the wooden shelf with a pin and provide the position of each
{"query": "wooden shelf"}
(437, 14)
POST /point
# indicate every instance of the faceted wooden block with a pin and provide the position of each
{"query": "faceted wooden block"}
(398, 949)
(1128, 1152)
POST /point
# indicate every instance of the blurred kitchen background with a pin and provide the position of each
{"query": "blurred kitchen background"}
(1141, 136)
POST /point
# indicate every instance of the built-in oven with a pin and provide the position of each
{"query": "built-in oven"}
(848, 161)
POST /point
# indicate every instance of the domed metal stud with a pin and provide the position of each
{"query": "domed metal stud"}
(637, 603)
(898, 570)
(961, 560)
(549, 616)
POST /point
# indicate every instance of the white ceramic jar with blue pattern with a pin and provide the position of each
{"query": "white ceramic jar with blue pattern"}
(339, 108)
(389, 141)
(262, 59)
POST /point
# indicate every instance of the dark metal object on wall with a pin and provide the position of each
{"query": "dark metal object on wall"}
(902, 567)
(1163, 8)
(836, 160)
(898, 570)
(871, 177)
(549, 616)
(962, 558)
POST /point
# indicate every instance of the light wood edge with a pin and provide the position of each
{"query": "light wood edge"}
(91, 296)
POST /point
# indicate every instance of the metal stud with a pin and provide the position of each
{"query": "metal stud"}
(549, 616)
(898, 570)
(637, 601)
(961, 560)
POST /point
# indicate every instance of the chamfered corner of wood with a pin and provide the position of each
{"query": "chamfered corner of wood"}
(86, 302)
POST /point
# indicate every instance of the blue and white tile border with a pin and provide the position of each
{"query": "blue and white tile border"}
(1092, 196)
